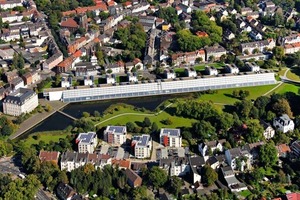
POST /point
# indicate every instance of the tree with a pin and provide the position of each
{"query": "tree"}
(85, 114)
(130, 126)
(254, 132)
(261, 104)
(281, 107)
(175, 184)
(209, 175)
(97, 113)
(278, 52)
(146, 122)
(243, 108)
(154, 127)
(204, 130)
(258, 174)
(158, 177)
(268, 154)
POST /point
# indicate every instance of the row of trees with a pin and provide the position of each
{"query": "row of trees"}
(18, 188)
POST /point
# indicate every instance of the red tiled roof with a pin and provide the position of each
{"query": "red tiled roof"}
(97, 40)
(49, 155)
(283, 148)
(69, 12)
(77, 54)
(71, 23)
(121, 163)
(66, 62)
(201, 34)
(293, 196)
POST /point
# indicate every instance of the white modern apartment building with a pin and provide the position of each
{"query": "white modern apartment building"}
(142, 146)
(115, 135)
(21, 101)
(170, 137)
(87, 142)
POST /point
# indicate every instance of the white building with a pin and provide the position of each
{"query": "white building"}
(87, 142)
(190, 72)
(72, 160)
(252, 67)
(284, 123)
(115, 135)
(10, 4)
(21, 101)
(245, 158)
(88, 81)
(142, 146)
(211, 71)
(169, 74)
(170, 137)
(269, 132)
(232, 69)
(132, 77)
(110, 79)
(204, 147)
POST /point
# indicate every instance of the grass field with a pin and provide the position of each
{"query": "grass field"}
(286, 87)
(245, 193)
(294, 74)
(138, 118)
(45, 136)
(225, 96)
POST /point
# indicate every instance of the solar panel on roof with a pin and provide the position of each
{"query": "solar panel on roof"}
(171, 132)
(117, 129)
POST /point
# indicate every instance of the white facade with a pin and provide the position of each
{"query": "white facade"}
(170, 137)
(88, 82)
(142, 146)
(232, 155)
(65, 84)
(252, 67)
(284, 123)
(10, 4)
(169, 74)
(157, 88)
(115, 135)
(19, 102)
(211, 71)
(190, 73)
(87, 142)
(212, 145)
(232, 69)
(132, 77)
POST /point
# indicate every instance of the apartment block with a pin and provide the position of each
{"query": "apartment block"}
(87, 142)
(142, 146)
(170, 137)
(115, 135)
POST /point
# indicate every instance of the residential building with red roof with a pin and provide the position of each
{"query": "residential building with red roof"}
(188, 57)
(69, 24)
(51, 156)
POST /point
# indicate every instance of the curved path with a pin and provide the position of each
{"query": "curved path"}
(284, 78)
(136, 114)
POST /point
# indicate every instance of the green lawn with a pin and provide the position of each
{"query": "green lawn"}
(46, 136)
(138, 119)
(286, 87)
(294, 74)
(224, 96)
(245, 193)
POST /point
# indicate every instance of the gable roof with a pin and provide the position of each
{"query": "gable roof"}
(70, 23)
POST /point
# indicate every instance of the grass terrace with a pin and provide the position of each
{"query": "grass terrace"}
(225, 96)
(46, 137)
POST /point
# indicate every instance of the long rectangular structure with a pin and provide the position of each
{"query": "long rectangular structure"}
(159, 88)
